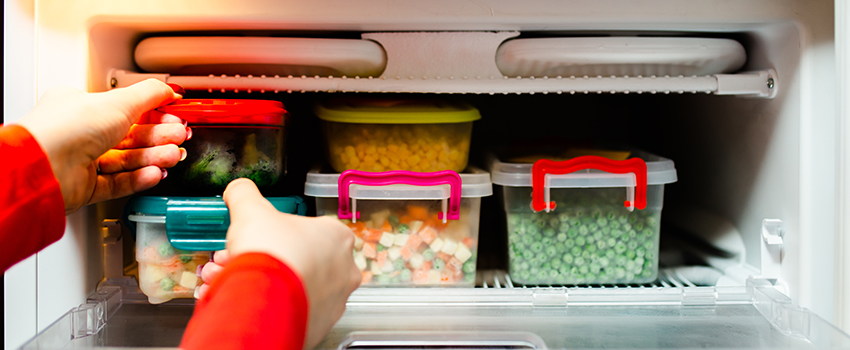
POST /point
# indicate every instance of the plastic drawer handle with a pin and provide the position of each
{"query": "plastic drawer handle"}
(399, 177)
(543, 167)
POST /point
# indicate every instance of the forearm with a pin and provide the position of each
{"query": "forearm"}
(32, 212)
(256, 303)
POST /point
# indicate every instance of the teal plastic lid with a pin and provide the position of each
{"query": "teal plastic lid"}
(196, 223)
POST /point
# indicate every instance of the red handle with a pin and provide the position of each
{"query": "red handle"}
(544, 166)
(399, 177)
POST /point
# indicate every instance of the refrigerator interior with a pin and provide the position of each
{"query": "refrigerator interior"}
(740, 160)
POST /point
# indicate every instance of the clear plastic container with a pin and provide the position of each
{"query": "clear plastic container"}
(372, 134)
(231, 139)
(176, 235)
(411, 228)
(570, 222)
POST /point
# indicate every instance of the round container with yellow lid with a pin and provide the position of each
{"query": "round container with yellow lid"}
(379, 134)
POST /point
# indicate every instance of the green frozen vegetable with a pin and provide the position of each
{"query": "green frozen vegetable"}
(165, 250)
(589, 238)
(167, 284)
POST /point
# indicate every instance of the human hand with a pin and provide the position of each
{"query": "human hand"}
(317, 249)
(77, 131)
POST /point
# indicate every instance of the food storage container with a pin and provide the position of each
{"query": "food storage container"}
(231, 139)
(411, 228)
(175, 235)
(584, 220)
(373, 134)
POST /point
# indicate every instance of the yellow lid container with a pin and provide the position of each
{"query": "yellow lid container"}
(381, 134)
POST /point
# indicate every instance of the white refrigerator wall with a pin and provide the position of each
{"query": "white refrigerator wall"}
(796, 180)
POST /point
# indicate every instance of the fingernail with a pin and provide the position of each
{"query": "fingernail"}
(177, 89)
(188, 133)
(183, 154)
(198, 270)
(185, 122)
(197, 293)
(164, 173)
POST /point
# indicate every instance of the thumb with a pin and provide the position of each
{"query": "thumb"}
(140, 97)
(244, 200)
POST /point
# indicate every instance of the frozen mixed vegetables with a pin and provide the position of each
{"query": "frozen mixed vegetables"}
(413, 246)
(589, 239)
(383, 147)
(166, 273)
(217, 157)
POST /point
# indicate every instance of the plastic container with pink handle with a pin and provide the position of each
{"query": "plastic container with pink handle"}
(411, 228)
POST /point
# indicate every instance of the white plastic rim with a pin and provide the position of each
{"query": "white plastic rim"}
(619, 56)
(146, 219)
(659, 171)
(476, 184)
(261, 55)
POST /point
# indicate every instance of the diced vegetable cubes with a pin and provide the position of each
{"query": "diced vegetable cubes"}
(166, 273)
(417, 248)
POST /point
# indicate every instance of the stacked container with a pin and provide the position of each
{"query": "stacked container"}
(231, 139)
(175, 235)
(373, 134)
(411, 228)
(586, 219)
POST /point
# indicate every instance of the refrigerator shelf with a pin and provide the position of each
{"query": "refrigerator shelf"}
(752, 316)
(752, 84)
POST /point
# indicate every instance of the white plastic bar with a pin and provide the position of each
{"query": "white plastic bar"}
(750, 84)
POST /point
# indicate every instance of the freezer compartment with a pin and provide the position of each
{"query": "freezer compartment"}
(754, 316)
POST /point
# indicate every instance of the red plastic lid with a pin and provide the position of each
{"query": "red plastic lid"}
(227, 111)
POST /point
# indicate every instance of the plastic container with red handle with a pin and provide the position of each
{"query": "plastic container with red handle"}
(231, 139)
(584, 220)
(411, 228)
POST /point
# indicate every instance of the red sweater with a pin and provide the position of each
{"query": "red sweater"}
(256, 303)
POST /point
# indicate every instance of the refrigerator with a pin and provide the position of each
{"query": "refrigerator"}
(760, 151)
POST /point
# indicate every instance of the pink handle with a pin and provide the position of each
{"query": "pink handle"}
(399, 177)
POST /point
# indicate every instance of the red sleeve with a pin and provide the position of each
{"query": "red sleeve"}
(256, 303)
(32, 212)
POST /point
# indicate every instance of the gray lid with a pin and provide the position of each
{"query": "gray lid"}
(659, 171)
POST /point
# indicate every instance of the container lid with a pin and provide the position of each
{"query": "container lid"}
(196, 223)
(476, 183)
(227, 111)
(372, 110)
(659, 171)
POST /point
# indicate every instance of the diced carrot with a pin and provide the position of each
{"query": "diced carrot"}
(387, 227)
(367, 277)
(373, 235)
(443, 256)
(446, 277)
(417, 213)
(468, 242)
(426, 265)
(382, 258)
(455, 264)
(420, 276)
(405, 219)
(428, 234)
(413, 243)
(370, 250)
(406, 253)
(360, 225)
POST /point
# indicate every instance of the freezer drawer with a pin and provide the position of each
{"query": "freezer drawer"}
(671, 314)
